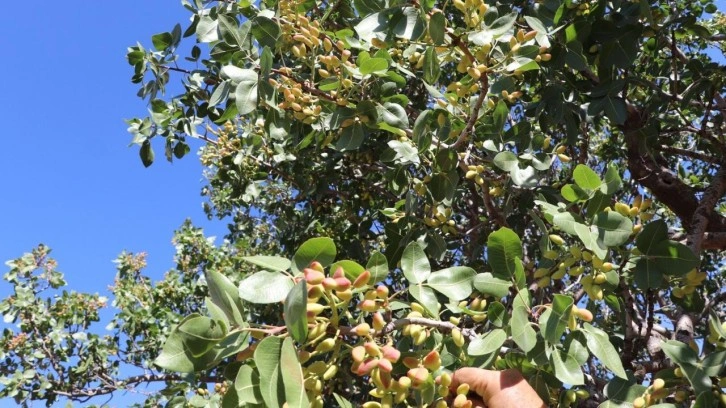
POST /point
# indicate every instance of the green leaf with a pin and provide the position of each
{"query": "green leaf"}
(161, 41)
(352, 269)
(266, 31)
(573, 193)
(176, 356)
(426, 296)
(292, 376)
(566, 221)
(599, 344)
(621, 393)
(232, 33)
(409, 25)
(695, 371)
(437, 28)
(431, 65)
(522, 332)
(200, 334)
(591, 241)
(612, 183)
(265, 287)
(246, 92)
(489, 343)
(351, 138)
(207, 29)
(554, 323)
(586, 178)
(320, 249)
(566, 368)
(487, 284)
(146, 153)
(504, 252)
(613, 228)
(497, 314)
(296, 312)
(378, 267)
(247, 385)
(373, 65)
(501, 112)
(342, 402)
(674, 258)
(220, 94)
(272, 263)
(414, 264)
(393, 114)
(454, 283)
(647, 274)
(652, 234)
(267, 359)
(366, 7)
(506, 161)
(225, 296)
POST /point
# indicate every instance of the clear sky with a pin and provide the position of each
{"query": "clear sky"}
(69, 179)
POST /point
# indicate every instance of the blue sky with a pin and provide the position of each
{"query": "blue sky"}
(70, 180)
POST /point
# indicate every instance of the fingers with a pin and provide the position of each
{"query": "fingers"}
(480, 381)
(498, 389)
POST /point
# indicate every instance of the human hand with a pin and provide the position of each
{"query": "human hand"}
(497, 389)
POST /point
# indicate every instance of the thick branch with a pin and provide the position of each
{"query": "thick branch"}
(701, 216)
(662, 182)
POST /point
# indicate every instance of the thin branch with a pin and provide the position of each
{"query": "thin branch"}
(437, 324)
(714, 301)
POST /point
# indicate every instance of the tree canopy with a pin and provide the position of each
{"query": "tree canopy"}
(414, 186)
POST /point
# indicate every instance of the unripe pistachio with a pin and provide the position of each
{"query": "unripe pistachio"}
(367, 366)
(378, 322)
(460, 401)
(544, 282)
(385, 365)
(362, 279)
(432, 360)
(368, 305)
(382, 291)
(325, 345)
(391, 353)
(342, 283)
(622, 208)
(420, 337)
(312, 276)
(418, 376)
(330, 284)
(372, 349)
(344, 295)
(358, 354)
(416, 307)
(330, 372)
(556, 239)
(458, 337)
(314, 309)
(362, 329)
(371, 404)
(639, 402)
(585, 315)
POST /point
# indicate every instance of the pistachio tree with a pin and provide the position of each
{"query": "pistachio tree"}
(418, 186)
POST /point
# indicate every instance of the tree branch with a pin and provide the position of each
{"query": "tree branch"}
(662, 182)
(701, 216)
(437, 324)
